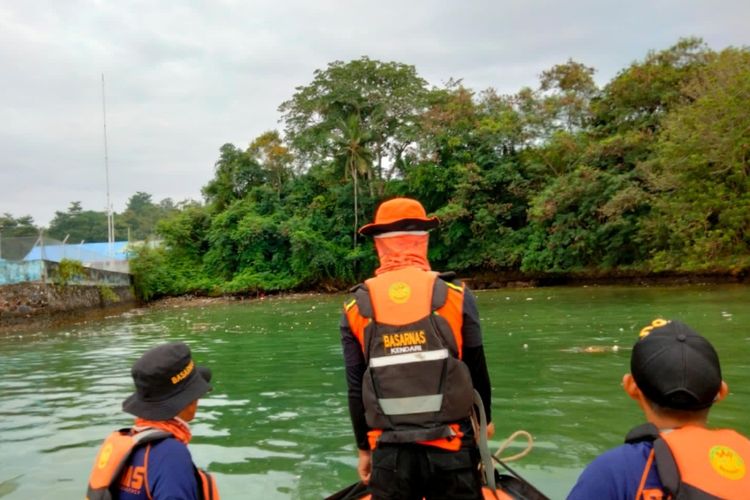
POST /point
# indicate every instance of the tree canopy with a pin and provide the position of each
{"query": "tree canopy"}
(647, 173)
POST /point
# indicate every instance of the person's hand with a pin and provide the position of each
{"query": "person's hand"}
(364, 467)
(490, 430)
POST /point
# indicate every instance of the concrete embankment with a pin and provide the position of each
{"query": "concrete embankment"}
(48, 297)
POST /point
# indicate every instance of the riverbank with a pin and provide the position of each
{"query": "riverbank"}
(189, 301)
(40, 305)
(515, 279)
(31, 319)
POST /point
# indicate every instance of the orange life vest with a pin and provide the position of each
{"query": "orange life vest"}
(487, 494)
(114, 454)
(415, 388)
(696, 463)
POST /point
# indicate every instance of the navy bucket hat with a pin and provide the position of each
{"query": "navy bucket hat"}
(166, 381)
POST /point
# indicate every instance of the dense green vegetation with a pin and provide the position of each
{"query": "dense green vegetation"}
(137, 222)
(648, 173)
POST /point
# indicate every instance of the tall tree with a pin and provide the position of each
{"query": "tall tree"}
(356, 158)
(79, 225)
(567, 91)
(386, 96)
(12, 227)
(17, 235)
(640, 95)
(236, 173)
(142, 214)
(269, 151)
(701, 173)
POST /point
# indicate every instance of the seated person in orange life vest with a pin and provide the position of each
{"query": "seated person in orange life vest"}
(151, 460)
(675, 378)
(413, 353)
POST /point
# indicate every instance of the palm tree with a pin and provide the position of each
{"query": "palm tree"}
(353, 153)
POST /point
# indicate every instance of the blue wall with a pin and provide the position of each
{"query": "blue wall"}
(36, 270)
(20, 272)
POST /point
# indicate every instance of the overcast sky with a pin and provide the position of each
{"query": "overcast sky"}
(183, 78)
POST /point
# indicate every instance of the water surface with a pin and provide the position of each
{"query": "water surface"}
(276, 425)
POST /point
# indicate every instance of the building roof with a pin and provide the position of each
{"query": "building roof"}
(84, 252)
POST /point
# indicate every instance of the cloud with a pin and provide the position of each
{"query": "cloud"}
(184, 78)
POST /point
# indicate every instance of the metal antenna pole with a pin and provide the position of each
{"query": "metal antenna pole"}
(110, 217)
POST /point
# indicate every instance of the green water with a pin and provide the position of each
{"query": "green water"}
(276, 425)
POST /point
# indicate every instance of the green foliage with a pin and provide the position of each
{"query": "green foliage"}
(184, 232)
(701, 175)
(138, 221)
(237, 172)
(141, 216)
(640, 96)
(79, 225)
(12, 227)
(649, 172)
(108, 295)
(159, 272)
(384, 97)
(68, 270)
(584, 220)
(269, 151)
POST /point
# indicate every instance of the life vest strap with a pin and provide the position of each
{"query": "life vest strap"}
(644, 432)
(414, 435)
(207, 485)
(669, 474)
(644, 476)
(112, 455)
(484, 450)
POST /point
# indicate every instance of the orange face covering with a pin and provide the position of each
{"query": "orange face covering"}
(175, 426)
(402, 250)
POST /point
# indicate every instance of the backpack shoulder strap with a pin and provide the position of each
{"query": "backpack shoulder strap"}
(661, 455)
(439, 295)
(206, 485)
(149, 436)
(644, 432)
(364, 303)
(666, 466)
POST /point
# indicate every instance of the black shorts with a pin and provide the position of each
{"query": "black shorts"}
(413, 472)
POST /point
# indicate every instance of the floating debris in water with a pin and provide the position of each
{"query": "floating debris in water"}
(593, 349)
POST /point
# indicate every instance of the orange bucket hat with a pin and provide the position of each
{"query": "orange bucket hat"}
(399, 214)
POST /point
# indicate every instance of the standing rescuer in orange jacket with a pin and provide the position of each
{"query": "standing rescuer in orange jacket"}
(413, 353)
(151, 460)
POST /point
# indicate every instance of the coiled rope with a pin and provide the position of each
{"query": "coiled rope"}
(519, 433)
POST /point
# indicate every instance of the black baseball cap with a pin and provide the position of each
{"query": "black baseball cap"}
(675, 367)
(166, 381)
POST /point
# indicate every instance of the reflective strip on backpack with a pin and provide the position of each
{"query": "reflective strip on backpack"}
(414, 404)
(410, 357)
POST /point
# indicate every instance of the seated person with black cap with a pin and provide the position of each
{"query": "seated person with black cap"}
(675, 378)
(151, 460)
